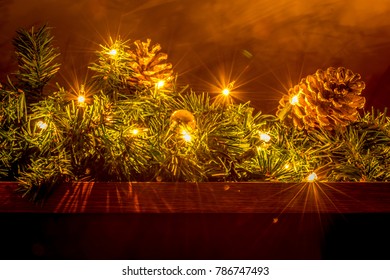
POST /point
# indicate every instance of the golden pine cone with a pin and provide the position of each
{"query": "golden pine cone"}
(149, 65)
(327, 99)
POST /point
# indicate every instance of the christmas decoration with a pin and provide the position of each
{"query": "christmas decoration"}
(35, 56)
(131, 122)
(183, 117)
(149, 65)
(327, 99)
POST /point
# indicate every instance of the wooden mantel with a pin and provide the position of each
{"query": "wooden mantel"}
(250, 197)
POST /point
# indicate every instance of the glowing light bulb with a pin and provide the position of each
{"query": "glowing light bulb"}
(294, 100)
(186, 135)
(287, 166)
(113, 52)
(265, 137)
(160, 84)
(135, 131)
(42, 125)
(225, 91)
(312, 177)
(81, 99)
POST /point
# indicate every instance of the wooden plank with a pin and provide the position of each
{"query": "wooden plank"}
(250, 197)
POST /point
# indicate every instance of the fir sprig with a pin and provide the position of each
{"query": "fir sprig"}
(36, 59)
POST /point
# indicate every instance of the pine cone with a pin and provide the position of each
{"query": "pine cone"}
(149, 65)
(327, 99)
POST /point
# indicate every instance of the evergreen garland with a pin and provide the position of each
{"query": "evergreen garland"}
(121, 130)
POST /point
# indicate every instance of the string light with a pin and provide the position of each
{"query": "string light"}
(81, 99)
(287, 166)
(42, 125)
(186, 135)
(160, 84)
(294, 100)
(113, 52)
(264, 137)
(225, 91)
(135, 131)
(312, 177)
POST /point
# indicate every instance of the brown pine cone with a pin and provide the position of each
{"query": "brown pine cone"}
(327, 99)
(149, 65)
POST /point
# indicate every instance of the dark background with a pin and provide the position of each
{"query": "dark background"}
(266, 46)
(195, 236)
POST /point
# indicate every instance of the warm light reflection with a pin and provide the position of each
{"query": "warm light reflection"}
(42, 125)
(312, 177)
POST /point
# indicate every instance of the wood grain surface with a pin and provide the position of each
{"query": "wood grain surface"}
(256, 197)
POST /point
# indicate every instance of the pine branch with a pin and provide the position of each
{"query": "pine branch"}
(36, 59)
(113, 69)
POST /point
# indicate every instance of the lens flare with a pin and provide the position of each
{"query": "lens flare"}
(225, 91)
